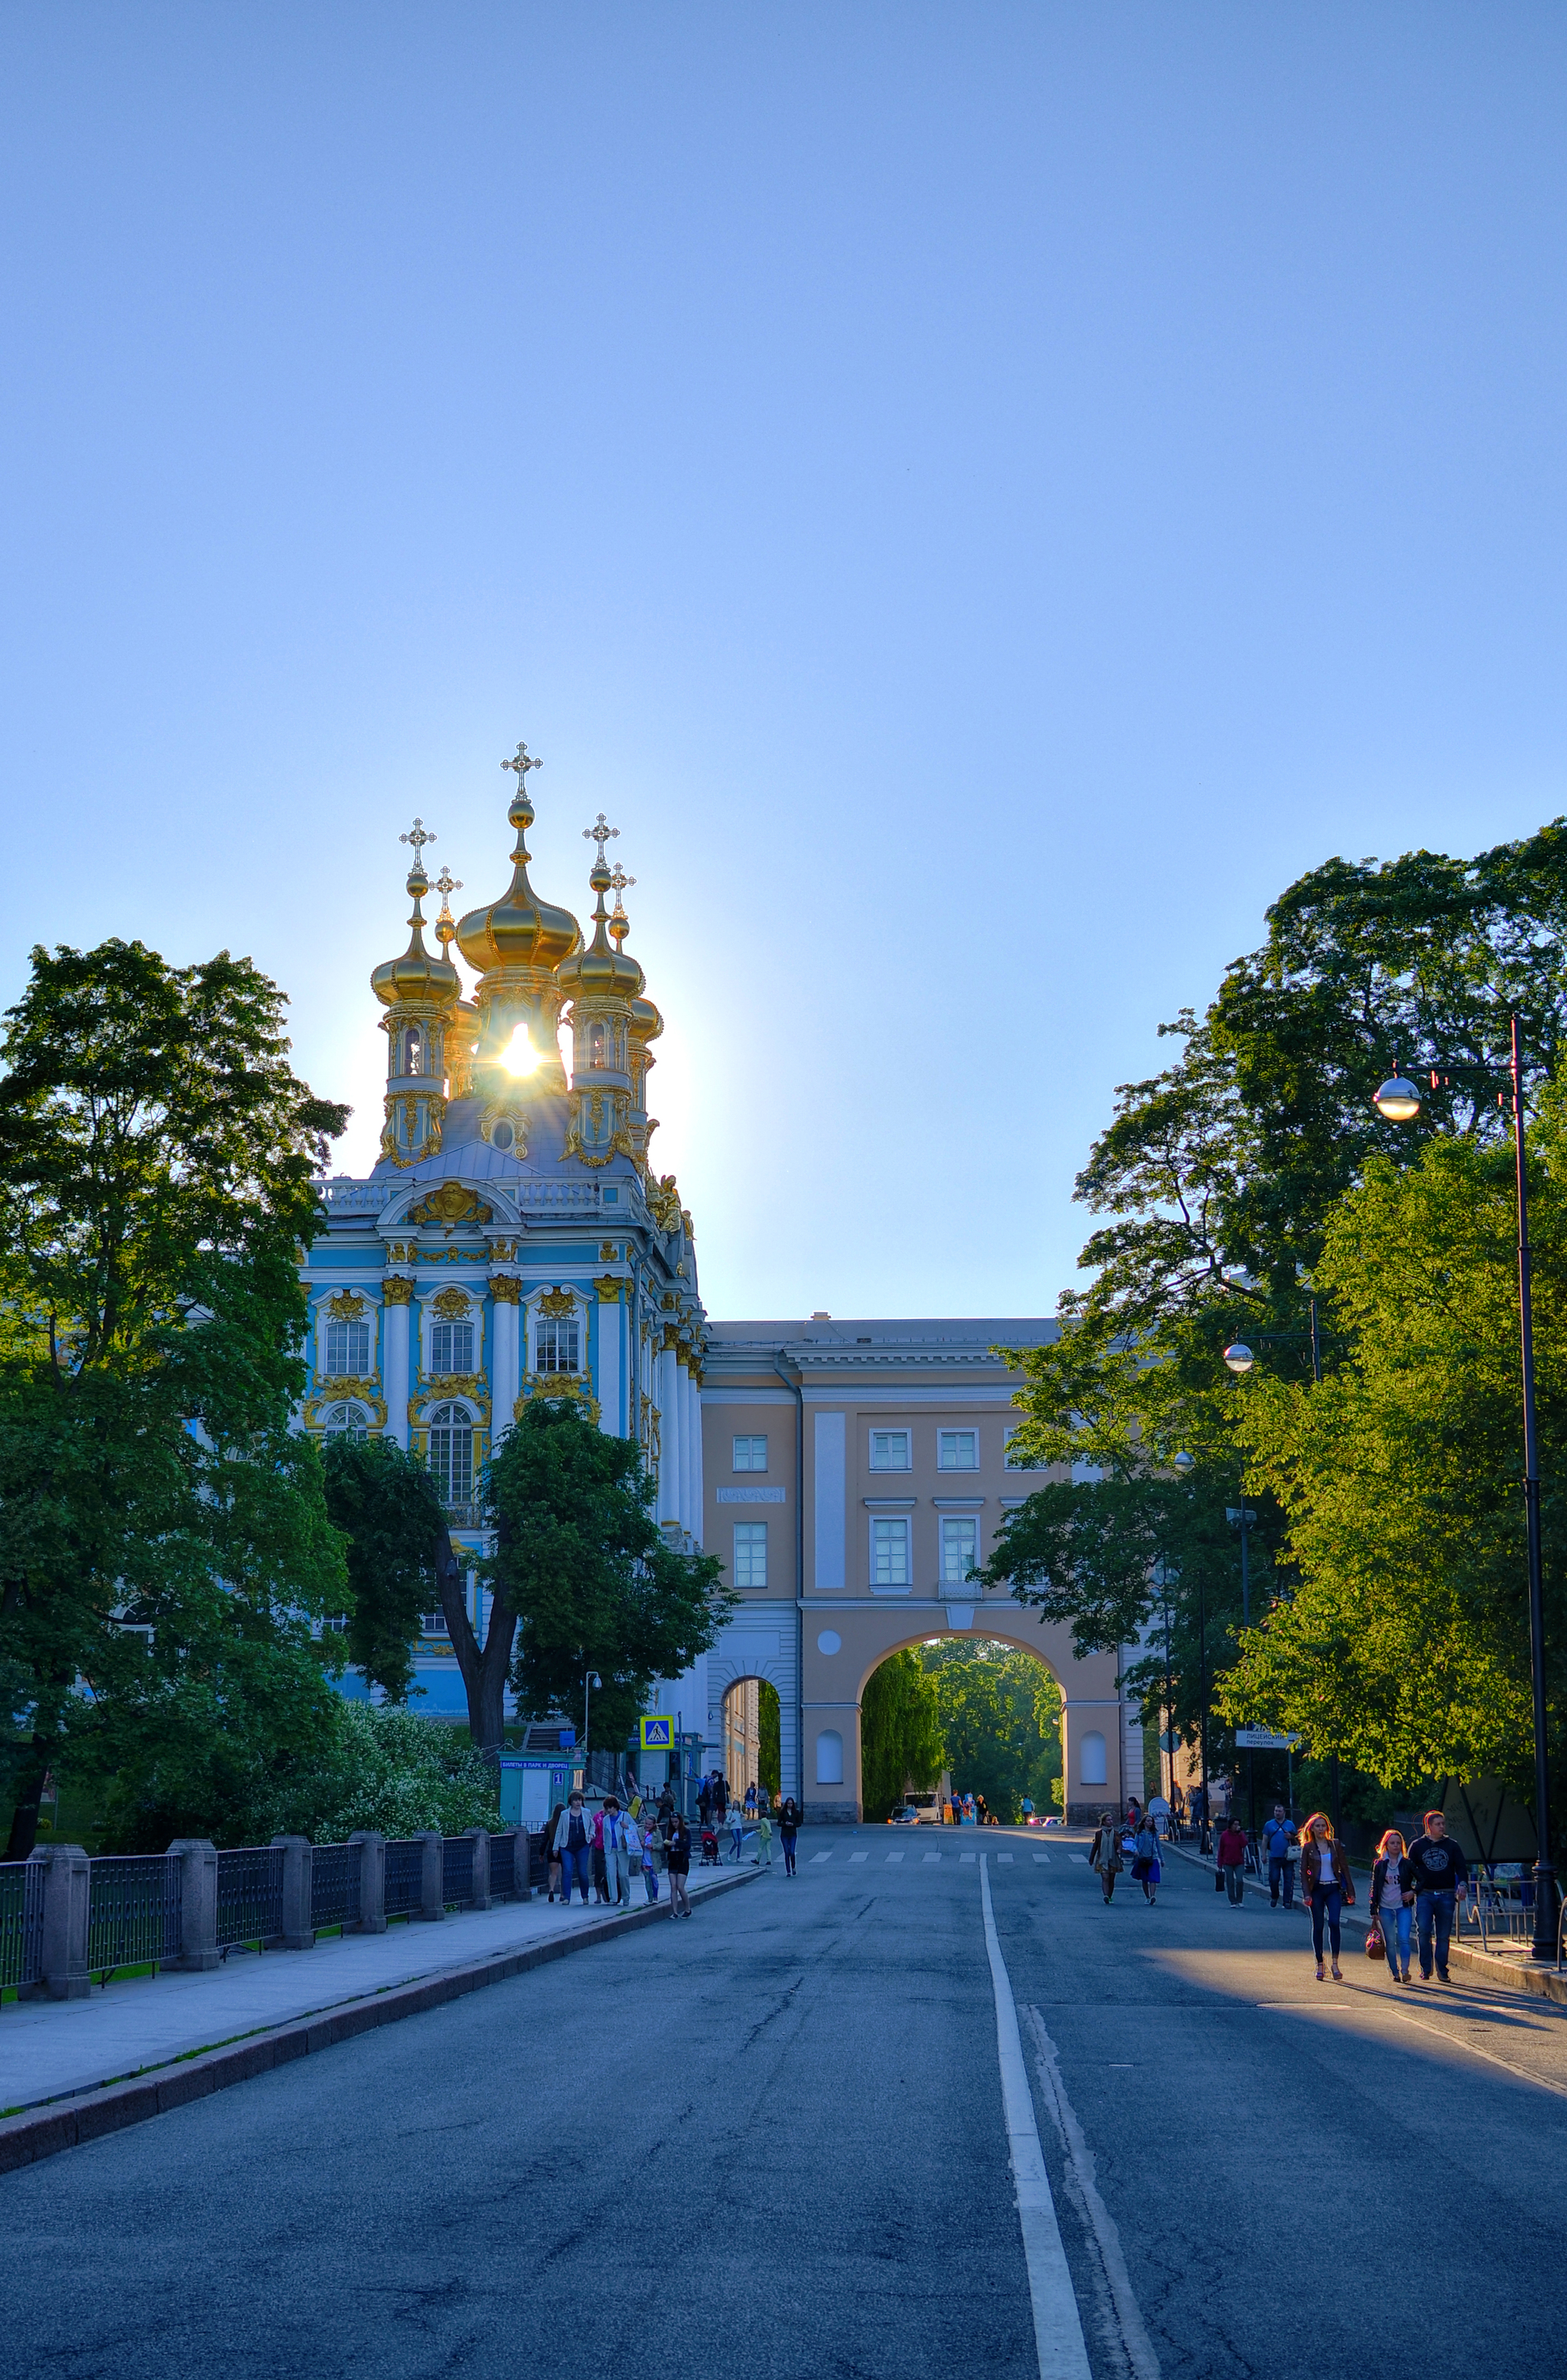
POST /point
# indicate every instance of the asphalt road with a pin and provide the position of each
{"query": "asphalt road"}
(770, 2143)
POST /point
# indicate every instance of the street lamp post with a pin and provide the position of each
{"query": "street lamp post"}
(1399, 1100)
(591, 1678)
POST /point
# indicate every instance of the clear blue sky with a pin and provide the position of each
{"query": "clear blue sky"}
(983, 496)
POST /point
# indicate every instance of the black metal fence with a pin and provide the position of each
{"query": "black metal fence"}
(249, 1896)
(404, 1877)
(134, 1913)
(503, 1866)
(335, 1884)
(456, 1871)
(21, 1924)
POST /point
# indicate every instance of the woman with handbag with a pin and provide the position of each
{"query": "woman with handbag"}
(1106, 1854)
(1393, 1902)
(1145, 1866)
(1327, 1886)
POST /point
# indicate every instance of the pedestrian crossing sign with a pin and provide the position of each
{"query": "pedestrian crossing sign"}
(658, 1734)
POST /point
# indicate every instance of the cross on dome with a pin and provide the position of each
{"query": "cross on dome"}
(419, 836)
(619, 879)
(600, 834)
(446, 883)
(522, 760)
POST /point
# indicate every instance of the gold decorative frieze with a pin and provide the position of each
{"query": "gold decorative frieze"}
(608, 1252)
(609, 1290)
(395, 1290)
(451, 1304)
(505, 1289)
(401, 1251)
(346, 1307)
(671, 1338)
(452, 1205)
(558, 1300)
(558, 1384)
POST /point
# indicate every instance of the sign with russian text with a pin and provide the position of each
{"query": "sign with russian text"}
(1257, 1739)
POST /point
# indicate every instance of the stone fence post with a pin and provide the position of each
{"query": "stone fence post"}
(433, 1881)
(198, 1903)
(66, 1908)
(298, 1934)
(479, 1837)
(372, 1882)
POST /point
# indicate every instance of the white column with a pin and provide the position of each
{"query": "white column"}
(669, 1435)
(694, 1457)
(505, 1376)
(394, 1365)
(607, 1386)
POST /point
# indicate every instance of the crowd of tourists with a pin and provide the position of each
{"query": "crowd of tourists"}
(1417, 1888)
(602, 1853)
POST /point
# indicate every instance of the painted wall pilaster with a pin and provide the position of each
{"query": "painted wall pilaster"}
(507, 1351)
(672, 1435)
(609, 1387)
(395, 1293)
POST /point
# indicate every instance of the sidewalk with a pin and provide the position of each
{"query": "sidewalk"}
(53, 2050)
(1502, 1970)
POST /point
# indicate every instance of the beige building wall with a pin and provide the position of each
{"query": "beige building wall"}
(882, 1449)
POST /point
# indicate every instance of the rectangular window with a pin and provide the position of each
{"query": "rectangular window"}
(889, 1450)
(1016, 1459)
(751, 1553)
(889, 1553)
(750, 1455)
(348, 1350)
(957, 1450)
(434, 1624)
(451, 1348)
(557, 1343)
(960, 1549)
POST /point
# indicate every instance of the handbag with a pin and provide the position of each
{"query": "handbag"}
(1375, 1945)
(1218, 1879)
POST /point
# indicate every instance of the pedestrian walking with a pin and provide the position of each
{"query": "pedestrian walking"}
(1328, 1886)
(1233, 1860)
(737, 1830)
(550, 1855)
(1106, 1854)
(600, 1880)
(764, 1838)
(666, 1807)
(788, 1827)
(751, 1798)
(630, 1855)
(1441, 1879)
(720, 1795)
(1281, 1844)
(1145, 1865)
(573, 1847)
(677, 1860)
(704, 1800)
(1393, 1901)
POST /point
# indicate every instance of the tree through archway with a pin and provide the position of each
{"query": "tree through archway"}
(987, 1711)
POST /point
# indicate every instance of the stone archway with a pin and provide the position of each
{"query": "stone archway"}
(844, 1643)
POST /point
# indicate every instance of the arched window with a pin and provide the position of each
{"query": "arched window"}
(557, 1343)
(1092, 1769)
(595, 1045)
(451, 1454)
(451, 1348)
(348, 1350)
(829, 1757)
(345, 1421)
(413, 1050)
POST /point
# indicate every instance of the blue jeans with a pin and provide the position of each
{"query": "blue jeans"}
(788, 1843)
(1325, 1902)
(651, 1882)
(575, 1864)
(1394, 1920)
(1281, 1871)
(1434, 1909)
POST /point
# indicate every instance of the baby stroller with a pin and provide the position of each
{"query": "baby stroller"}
(710, 1844)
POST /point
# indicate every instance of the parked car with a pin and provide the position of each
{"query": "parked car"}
(926, 1809)
(1052, 1822)
(905, 1816)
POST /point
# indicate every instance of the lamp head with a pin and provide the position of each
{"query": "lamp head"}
(1238, 1357)
(1397, 1100)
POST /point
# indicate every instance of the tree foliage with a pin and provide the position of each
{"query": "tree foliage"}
(166, 1556)
(999, 1712)
(586, 1575)
(384, 1502)
(900, 1734)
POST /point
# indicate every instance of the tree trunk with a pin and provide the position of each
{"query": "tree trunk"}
(24, 1818)
(485, 1668)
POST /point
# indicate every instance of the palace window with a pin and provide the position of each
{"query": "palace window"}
(1015, 1458)
(889, 1553)
(413, 1050)
(595, 1045)
(451, 1454)
(750, 1454)
(957, 1450)
(348, 1350)
(889, 1450)
(751, 1553)
(960, 1549)
(345, 1421)
(433, 1624)
(451, 1348)
(557, 1343)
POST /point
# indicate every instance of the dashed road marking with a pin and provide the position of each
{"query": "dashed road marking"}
(856, 1857)
(817, 1858)
(1003, 1859)
(1078, 1859)
(967, 1858)
(932, 1859)
(893, 1858)
(1041, 1859)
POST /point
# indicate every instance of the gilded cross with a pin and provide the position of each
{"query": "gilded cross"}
(522, 760)
(600, 834)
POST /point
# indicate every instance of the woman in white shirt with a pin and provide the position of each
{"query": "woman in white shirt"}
(1327, 1885)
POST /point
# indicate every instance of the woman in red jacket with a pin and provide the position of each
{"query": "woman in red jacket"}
(1233, 1860)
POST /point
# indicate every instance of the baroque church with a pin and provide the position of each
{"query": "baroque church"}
(513, 1240)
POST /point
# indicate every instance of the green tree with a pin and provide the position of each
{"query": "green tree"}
(770, 1763)
(1000, 1713)
(584, 1577)
(900, 1734)
(386, 1504)
(166, 1556)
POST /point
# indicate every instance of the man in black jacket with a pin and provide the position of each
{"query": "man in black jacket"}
(1441, 1879)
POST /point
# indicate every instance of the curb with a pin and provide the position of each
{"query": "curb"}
(1480, 1966)
(44, 2131)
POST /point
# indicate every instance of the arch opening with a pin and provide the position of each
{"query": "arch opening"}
(972, 1716)
(752, 1732)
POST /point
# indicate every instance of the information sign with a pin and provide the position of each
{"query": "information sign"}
(1257, 1739)
(658, 1734)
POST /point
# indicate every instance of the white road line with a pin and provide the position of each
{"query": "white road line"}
(1041, 1859)
(966, 1859)
(857, 1858)
(817, 1858)
(932, 1859)
(1058, 2330)
(1134, 2341)
(1003, 1859)
(1079, 1859)
(893, 1858)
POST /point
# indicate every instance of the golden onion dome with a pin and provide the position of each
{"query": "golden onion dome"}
(518, 931)
(416, 979)
(599, 972)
